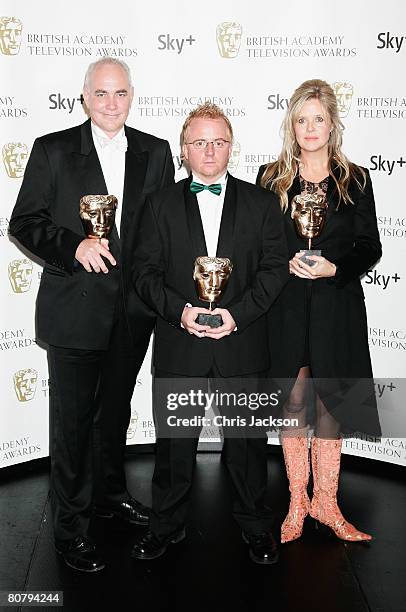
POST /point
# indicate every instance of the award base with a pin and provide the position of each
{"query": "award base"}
(210, 320)
(306, 253)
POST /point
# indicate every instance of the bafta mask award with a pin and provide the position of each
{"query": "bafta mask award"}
(98, 213)
(309, 214)
(211, 275)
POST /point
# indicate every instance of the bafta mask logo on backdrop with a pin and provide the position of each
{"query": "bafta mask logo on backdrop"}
(10, 35)
(228, 36)
(25, 384)
(15, 156)
(234, 157)
(20, 275)
(344, 93)
(132, 428)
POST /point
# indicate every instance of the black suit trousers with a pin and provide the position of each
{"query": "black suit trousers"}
(245, 459)
(90, 411)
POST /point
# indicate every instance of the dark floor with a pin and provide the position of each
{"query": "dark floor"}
(210, 570)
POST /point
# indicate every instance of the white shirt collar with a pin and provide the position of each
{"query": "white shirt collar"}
(222, 180)
(102, 136)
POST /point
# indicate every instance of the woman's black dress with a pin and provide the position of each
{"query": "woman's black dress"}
(322, 323)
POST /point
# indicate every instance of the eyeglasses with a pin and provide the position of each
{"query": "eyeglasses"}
(201, 144)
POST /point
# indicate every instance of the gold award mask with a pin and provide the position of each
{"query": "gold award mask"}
(98, 214)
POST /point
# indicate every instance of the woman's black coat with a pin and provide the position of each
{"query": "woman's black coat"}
(335, 315)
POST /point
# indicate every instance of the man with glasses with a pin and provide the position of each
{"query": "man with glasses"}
(209, 214)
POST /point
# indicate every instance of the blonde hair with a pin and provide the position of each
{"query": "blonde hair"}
(208, 110)
(279, 175)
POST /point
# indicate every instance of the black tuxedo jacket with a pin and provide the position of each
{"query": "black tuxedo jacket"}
(75, 308)
(171, 236)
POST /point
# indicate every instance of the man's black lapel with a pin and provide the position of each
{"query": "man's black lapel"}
(88, 164)
(194, 221)
(226, 233)
(136, 163)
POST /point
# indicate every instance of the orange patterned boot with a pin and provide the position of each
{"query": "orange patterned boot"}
(296, 455)
(326, 469)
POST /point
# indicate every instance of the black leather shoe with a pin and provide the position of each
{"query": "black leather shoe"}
(80, 554)
(149, 546)
(263, 547)
(131, 511)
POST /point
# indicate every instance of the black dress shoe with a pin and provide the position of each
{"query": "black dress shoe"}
(131, 511)
(263, 547)
(80, 554)
(149, 546)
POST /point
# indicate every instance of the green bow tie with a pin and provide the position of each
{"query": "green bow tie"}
(198, 187)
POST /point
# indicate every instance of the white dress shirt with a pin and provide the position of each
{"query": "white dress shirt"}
(211, 209)
(111, 153)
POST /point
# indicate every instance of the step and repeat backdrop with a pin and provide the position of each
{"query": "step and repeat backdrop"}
(247, 57)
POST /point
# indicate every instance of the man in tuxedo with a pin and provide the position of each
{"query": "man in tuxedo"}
(209, 214)
(96, 328)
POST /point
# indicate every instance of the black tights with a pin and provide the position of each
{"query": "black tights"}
(326, 426)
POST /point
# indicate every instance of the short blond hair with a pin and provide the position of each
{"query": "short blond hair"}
(208, 110)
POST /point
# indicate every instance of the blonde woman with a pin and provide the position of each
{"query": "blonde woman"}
(318, 327)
